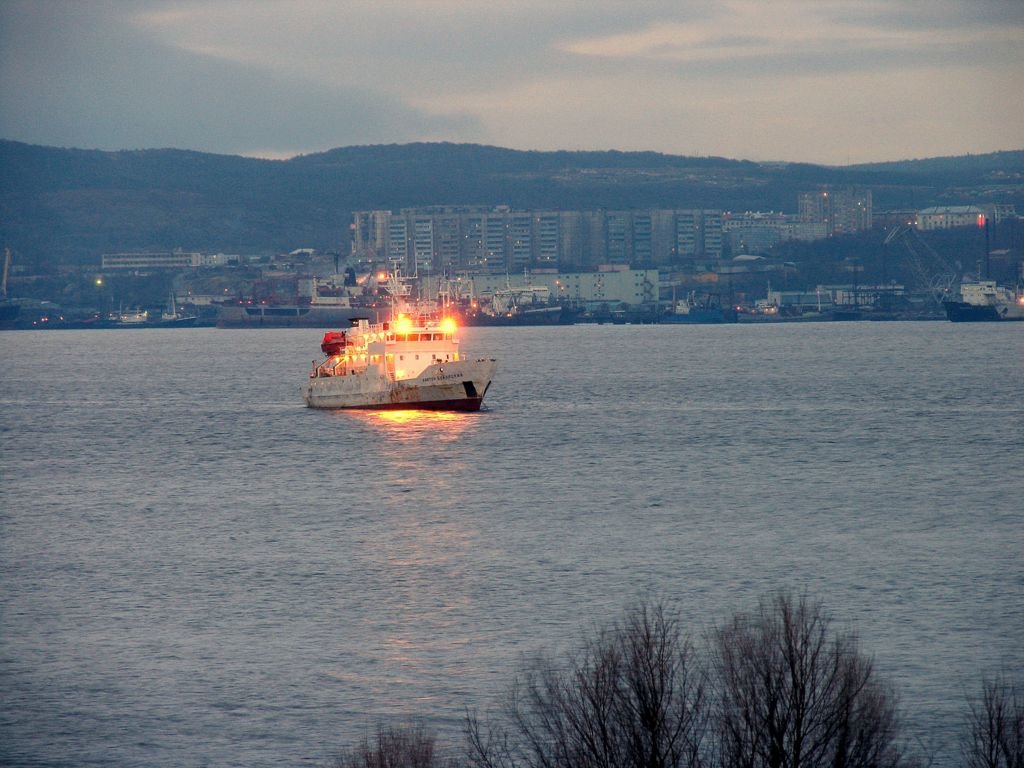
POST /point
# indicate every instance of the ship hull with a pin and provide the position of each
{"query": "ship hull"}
(290, 316)
(533, 316)
(188, 321)
(962, 312)
(985, 301)
(451, 386)
(694, 317)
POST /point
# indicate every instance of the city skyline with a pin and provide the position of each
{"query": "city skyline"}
(835, 83)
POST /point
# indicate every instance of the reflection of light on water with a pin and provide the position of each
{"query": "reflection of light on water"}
(415, 416)
(417, 554)
(413, 424)
(421, 587)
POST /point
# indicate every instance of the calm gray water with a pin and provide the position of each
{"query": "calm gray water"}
(197, 570)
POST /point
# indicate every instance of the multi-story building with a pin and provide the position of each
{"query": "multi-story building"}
(157, 260)
(370, 233)
(618, 236)
(609, 285)
(698, 234)
(687, 231)
(546, 237)
(502, 240)
(423, 250)
(842, 210)
(643, 238)
(520, 244)
(495, 234)
(397, 247)
(756, 232)
(711, 227)
(950, 216)
(473, 252)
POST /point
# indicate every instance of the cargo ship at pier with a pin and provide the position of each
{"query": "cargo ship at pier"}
(326, 306)
(985, 301)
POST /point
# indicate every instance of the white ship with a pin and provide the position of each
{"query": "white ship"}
(411, 361)
(130, 318)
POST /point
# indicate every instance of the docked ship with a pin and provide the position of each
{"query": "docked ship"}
(553, 314)
(173, 317)
(411, 361)
(693, 310)
(289, 315)
(528, 305)
(985, 301)
(325, 307)
(131, 318)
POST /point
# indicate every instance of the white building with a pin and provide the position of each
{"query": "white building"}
(612, 284)
(950, 216)
(145, 261)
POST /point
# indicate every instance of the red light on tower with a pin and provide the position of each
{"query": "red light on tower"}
(981, 219)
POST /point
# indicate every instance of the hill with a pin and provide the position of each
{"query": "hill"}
(68, 206)
(978, 166)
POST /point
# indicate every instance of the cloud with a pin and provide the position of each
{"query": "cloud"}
(728, 77)
(762, 39)
(93, 80)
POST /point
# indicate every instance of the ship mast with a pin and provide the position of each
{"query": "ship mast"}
(7, 266)
(400, 291)
(988, 273)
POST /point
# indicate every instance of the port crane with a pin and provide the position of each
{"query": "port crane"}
(934, 274)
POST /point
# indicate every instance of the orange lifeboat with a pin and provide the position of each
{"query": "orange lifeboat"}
(333, 343)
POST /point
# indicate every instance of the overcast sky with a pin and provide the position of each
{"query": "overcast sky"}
(828, 81)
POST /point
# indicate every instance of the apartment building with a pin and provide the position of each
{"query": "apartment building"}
(608, 285)
(842, 210)
(756, 232)
(503, 240)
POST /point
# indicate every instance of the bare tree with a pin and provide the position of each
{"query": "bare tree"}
(631, 698)
(405, 747)
(995, 737)
(793, 695)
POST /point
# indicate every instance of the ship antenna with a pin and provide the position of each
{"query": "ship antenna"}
(7, 266)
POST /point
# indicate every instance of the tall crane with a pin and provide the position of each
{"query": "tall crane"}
(934, 274)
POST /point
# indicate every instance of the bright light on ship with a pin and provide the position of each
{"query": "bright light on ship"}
(448, 325)
(403, 324)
